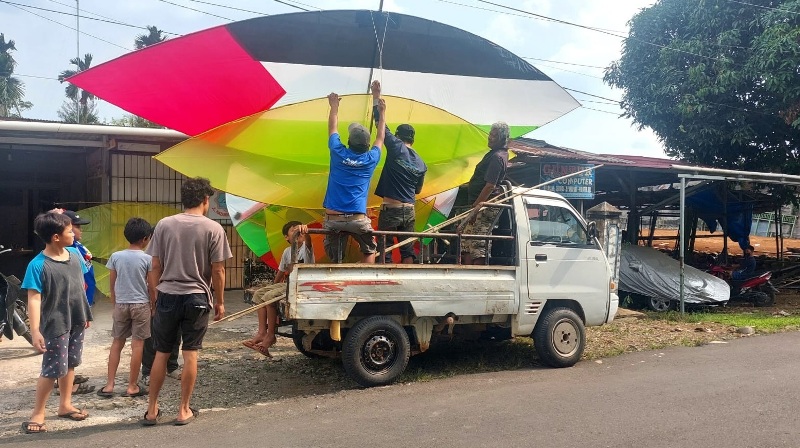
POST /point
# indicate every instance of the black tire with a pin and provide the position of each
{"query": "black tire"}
(559, 338)
(658, 304)
(761, 298)
(22, 322)
(376, 351)
(297, 338)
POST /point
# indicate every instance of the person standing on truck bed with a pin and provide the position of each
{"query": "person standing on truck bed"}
(401, 180)
(348, 184)
(485, 184)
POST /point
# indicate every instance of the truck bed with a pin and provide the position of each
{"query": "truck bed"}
(317, 291)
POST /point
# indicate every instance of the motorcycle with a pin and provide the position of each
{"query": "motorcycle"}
(756, 289)
(13, 308)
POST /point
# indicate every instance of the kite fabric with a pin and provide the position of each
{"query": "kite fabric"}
(104, 234)
(261, 226)
(203, 80)
(281, 157)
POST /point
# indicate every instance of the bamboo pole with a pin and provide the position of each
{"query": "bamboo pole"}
(497, 200)
(244, 312)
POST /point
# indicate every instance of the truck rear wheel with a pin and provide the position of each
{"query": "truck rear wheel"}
(376, 351)
(559, 338)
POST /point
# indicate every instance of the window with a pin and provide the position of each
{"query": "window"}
(554, 224)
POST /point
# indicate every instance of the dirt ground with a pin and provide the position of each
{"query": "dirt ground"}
(232, 375)
(763, 245)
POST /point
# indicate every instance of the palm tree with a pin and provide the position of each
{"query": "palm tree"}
(72, 91)
(12, 90)
(153, 37)
(83, 109)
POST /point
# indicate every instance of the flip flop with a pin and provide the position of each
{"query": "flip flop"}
(33, 427)
(147, 422)
(249, 344)
(79, 379)
(140, 393)
(104, 394)
(76, 416)
(195, 413)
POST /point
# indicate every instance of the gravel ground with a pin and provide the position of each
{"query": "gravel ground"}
(231, 375)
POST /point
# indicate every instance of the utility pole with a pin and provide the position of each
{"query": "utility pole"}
(78, 24)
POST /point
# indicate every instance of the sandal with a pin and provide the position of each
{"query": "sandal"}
(194, 415)
(103, 393)
(148, 422)
(79, 379)
(33, 427)
(82, 389)
(139, 393)
(261, 349)
(76, 416)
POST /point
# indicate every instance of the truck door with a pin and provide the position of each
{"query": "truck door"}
(561, 264)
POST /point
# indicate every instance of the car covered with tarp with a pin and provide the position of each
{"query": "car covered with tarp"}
(652, 277)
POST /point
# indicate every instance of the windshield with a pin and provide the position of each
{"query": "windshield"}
(554, 224)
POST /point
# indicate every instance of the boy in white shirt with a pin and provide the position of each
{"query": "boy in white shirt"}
(268, 316)
(130, 295)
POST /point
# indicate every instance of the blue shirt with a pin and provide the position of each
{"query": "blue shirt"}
(61, 285)
(88, 274)
(348, 181)
(403, 173)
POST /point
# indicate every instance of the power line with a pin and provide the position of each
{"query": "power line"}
(229, 7)
(598, 30)
(111, 21)
(610, 103)
(196, 10)
(14, 5)
(592, 95)
(34, 76)
(562, 62)
(603, 111)
(569, 71)
(289, 4)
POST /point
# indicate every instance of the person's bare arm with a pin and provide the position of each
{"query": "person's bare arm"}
(381, 127)
(476, 206)
(218, 281)
(153, 278)
(280, 277)
(112, 281)
(333, 116)
(34, 316)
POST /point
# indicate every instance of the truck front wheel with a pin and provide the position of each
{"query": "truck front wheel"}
(559, 338)
(375, 351)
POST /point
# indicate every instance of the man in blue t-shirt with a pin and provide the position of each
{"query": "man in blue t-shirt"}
(747, 267)
(348, 184)
(401, 180)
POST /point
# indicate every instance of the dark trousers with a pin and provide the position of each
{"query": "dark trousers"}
(398, 219)
(149, 354)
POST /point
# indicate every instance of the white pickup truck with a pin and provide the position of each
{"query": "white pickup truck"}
(548, 281)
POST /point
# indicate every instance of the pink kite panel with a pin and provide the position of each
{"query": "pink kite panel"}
(210, 75)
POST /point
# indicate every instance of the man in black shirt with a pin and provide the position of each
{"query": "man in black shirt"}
(485, 184)
(400, 182)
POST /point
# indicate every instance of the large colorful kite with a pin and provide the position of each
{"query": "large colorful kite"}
(209, 78)
(260, 225)
(252, 96)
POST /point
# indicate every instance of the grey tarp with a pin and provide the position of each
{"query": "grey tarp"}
(646, 271)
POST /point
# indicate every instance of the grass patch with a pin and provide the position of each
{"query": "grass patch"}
(761, 321)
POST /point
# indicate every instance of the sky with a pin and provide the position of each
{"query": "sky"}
(45, 47)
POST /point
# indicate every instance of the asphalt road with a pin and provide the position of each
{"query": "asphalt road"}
(740, 394)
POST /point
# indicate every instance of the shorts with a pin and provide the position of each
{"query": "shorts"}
(131, 319)
(399, 219)
(359, 226)
(63, 353)
(180, 317)
(484, 223)
(260, 295)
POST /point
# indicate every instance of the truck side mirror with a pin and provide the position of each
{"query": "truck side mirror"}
(592, 231)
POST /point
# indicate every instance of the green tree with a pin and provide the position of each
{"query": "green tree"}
(153, 36)
(79, 113)
(134, 121)
(12, 90)
(717, 80)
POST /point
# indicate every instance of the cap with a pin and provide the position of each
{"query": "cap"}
(359, 136)
(405, 132)
(76, 219)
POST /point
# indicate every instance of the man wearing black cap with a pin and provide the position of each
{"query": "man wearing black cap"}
(348, 185)
(400, 182)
